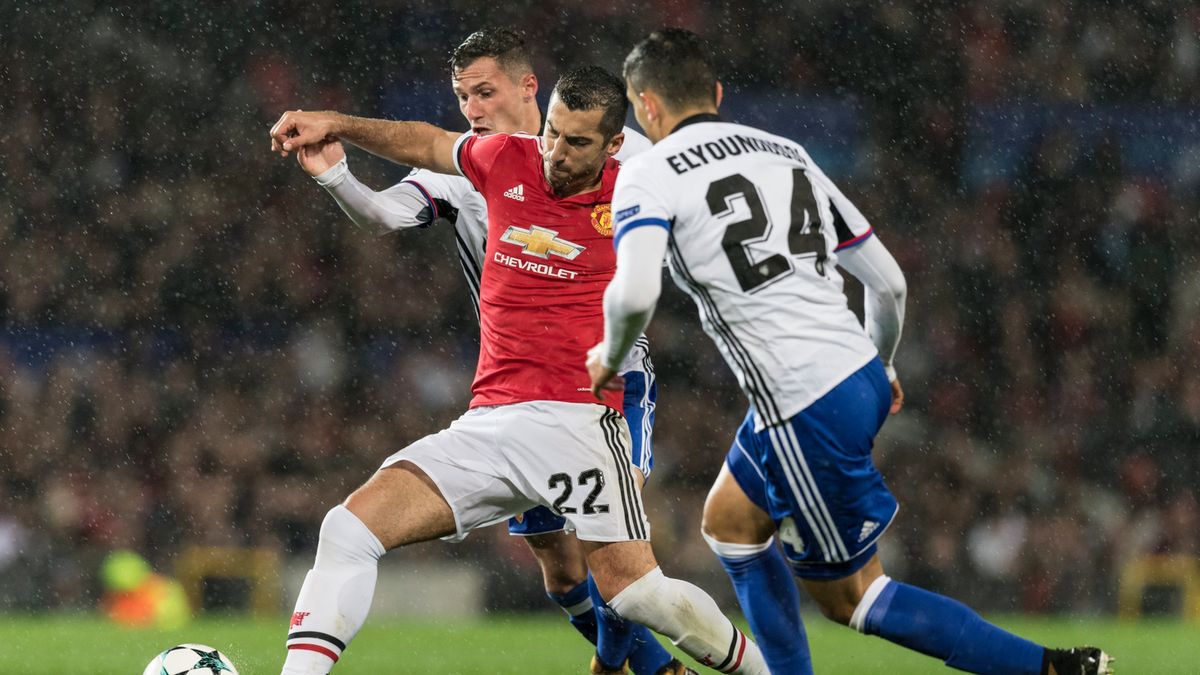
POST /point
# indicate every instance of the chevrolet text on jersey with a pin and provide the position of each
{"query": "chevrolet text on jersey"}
(537, 268)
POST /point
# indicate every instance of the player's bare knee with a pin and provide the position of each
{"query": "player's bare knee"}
(617, 565)
(367, 502)
(732, 522)
(401, 505)
(719, 526)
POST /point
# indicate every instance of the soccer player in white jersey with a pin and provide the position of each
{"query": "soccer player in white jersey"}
(754, 232)
(493, 80)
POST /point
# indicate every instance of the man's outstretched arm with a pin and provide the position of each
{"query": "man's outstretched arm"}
(410, 143)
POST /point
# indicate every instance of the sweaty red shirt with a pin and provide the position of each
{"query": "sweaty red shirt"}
(546, 265)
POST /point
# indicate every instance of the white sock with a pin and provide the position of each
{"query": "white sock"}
(336, 595)
(692, 621)
(735, 551)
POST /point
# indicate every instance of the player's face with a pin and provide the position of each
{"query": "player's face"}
(574, 148)
(488, 97)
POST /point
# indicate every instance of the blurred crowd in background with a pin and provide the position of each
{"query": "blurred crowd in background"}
(197, 347)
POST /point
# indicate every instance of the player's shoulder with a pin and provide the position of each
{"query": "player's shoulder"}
(501, 140)
(520, 140)
(638, 154)
(743, 135)
(512, 145)
(635, 144)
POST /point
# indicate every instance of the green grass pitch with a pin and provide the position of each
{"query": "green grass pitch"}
(524, 645)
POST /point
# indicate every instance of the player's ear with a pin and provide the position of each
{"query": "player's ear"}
(615, 143)
(720, 93)
(529, 87)
(650, 105)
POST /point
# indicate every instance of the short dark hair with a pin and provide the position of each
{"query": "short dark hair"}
(502, 44)
(677, 65)
(592, 87)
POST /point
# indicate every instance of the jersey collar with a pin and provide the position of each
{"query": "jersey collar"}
(695, 119)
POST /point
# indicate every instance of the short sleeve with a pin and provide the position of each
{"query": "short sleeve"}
(475, 155)
(636, 202)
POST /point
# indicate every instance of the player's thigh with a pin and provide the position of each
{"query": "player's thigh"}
(615, 565)
(469, 469)
(731, 517)
(401, 505)
(575, 459)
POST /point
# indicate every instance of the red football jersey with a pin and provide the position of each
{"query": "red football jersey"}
(546, 265)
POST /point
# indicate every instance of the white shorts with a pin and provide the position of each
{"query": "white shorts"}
(495, 462)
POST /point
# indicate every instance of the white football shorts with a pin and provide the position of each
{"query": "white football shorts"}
(498, 461)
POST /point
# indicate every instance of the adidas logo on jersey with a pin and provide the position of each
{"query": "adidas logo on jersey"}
(867, 528)
(516, 192)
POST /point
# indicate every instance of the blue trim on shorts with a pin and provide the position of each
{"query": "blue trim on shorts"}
(641, 396)
(814, 475)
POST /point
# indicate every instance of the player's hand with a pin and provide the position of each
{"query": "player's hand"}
(603, 377)
(296, 129)
(897, 397)
(320, 157)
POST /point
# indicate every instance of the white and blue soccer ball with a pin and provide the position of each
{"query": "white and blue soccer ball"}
(190, 659)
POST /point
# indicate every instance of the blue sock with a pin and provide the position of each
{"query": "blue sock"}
(769, 599)
(577, 603)
(619, 640)
(945, 629)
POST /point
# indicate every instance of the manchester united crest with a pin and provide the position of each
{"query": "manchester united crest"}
(602, 219)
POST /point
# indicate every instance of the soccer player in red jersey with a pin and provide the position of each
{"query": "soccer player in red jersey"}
(534, 433)
(496, 88)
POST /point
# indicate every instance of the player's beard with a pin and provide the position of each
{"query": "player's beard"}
(566, 183)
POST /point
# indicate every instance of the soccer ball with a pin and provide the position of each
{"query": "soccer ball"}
(190, 659)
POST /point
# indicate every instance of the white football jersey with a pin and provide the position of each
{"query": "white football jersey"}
(754, 229)
(470, 224)
(468, 216)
